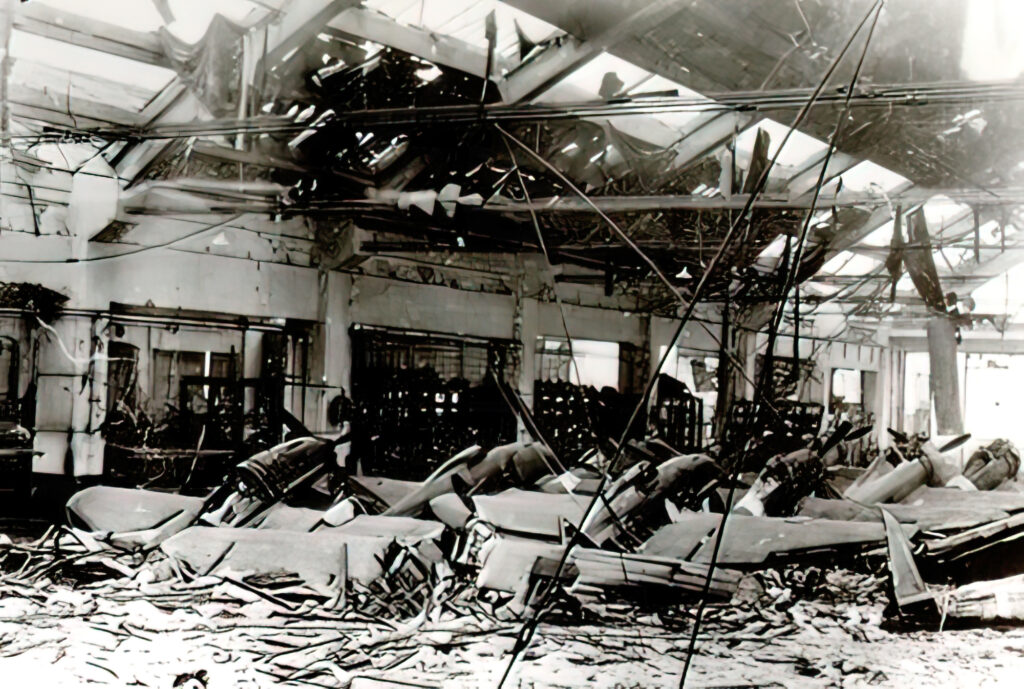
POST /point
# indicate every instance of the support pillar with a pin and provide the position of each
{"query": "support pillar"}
(529, 329)
(944, 376)
(331, 349)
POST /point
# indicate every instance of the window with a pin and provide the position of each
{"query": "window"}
(846, 389)
(122, 374)
(171, 368)
(596, 363)
(697, 370)
(8, 368)
(991, 384)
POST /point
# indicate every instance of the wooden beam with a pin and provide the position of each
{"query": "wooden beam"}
(299, 25)
(158, 105)
(42, 20)
(226, 153)
(177, 104)
(541, 72)
(967, 276)
(538, 74)
(136, 161)
(439, 49)
(711, 134)
(944, 378)
(804, 181)
(977, 274)
(969, 345)
(847, 237)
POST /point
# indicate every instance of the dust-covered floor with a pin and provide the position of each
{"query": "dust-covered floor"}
(140, 632)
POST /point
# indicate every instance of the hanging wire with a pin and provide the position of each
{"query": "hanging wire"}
(528, 628)
(766, 372)
(896, 95)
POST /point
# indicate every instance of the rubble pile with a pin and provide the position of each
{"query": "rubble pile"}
(495, 538)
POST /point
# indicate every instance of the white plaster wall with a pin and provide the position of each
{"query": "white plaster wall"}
(171, 279)
(377, 301)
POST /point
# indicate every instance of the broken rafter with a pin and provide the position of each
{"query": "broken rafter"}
(442, 50)
(559, 59)
(805, 180)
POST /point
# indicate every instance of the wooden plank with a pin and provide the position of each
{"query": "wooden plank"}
(541, 72)
(299, 25)
(975, 535)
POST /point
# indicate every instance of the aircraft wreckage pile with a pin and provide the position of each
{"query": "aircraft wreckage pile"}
(505, 550)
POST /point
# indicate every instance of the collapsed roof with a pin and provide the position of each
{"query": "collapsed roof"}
(369, 129)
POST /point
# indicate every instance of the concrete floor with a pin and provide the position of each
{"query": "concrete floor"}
(137, 632)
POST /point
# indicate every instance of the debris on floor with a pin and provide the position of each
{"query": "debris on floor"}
(391, 581)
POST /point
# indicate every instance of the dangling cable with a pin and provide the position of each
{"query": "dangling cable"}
(529, 626)
(766, 374)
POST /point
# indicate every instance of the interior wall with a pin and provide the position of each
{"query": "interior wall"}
(172, 279)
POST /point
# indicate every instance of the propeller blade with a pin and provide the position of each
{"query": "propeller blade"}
(955, 442)
(859, 433)
(837, 437)
(898, 435)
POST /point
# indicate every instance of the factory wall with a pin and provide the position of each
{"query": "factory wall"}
(250, 271)
(72, 349)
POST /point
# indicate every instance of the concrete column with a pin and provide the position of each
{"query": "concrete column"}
(89, 406)
(72, 397)
(884, 391)
(330, 350)
(945, 377)
(337, 322)
(659, 332)
(73, 366)
(528, 332)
